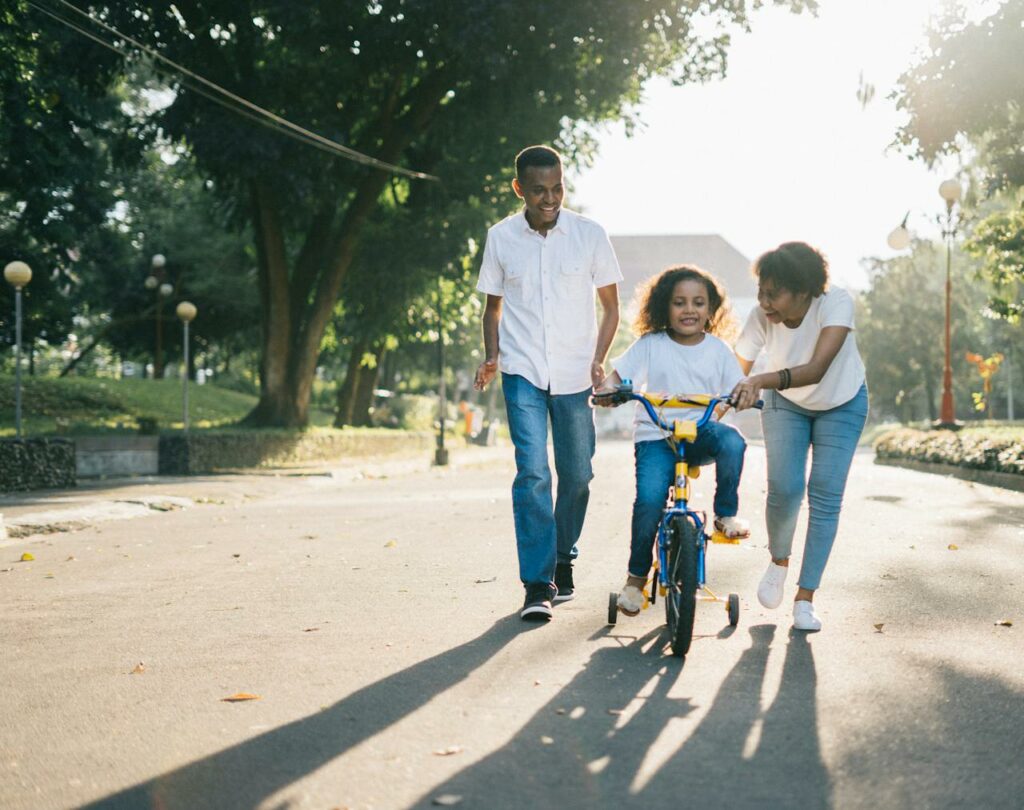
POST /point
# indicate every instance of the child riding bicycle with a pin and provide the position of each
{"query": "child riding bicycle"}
(681, 313)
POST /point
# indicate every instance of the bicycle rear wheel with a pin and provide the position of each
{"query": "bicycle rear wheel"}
(681, 599)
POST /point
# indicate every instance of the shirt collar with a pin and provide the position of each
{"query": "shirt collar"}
(562, 226)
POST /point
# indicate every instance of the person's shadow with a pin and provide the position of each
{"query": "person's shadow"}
(246, 774)
(606, 739)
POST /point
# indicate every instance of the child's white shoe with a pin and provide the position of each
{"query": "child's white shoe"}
(631, 597)
(733, 527)
(804, 617)
(769, 592)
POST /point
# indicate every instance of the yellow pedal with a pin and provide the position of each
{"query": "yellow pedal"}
(718, 537)
(662, 591)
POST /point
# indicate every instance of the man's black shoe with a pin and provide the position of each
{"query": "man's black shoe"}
(537, 607)
(563, 581)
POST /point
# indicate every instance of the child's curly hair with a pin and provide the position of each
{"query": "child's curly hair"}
(656, 295)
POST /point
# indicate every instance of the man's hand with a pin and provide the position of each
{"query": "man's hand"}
(746, 393)
(485, 373)
(596, 374)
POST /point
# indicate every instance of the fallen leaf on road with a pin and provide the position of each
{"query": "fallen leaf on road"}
(5, 570)
(70, 559)
(310, 629)
(547, 740)
(485, 581)
(447, 752)
(952, 546)
(615, 712)
(139, 669)
(447, 800)
(536, 683)
(238, 698)
(1004, 623)
(391, 544)
(49, 576)
(878, 627)
(26, 557)
(559, 711)
(236, 555)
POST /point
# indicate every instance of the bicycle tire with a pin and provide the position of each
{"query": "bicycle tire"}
(681, 599)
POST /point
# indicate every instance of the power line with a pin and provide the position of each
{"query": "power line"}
(245, 107)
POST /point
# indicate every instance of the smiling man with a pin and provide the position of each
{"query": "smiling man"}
(541, 267)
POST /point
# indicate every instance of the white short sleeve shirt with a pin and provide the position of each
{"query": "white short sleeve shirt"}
(658, 364)
(786, 347)
(548, 328)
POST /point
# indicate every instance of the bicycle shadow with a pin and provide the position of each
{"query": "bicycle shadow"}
(613, 744)
(246, 774)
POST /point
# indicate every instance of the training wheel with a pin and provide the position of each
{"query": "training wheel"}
(613, 607)
(734, 609)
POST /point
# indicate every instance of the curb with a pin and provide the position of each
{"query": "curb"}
(991, 478)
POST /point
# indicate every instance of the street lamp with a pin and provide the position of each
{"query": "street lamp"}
(17, 274)
(187, 312)
(441, 453)
(155, 281)
(899, 239)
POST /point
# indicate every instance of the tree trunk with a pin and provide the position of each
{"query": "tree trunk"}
(348, 387)
(366, 384)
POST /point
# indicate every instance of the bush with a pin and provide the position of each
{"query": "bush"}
(36, 464)
(968, 449)
(406, 411)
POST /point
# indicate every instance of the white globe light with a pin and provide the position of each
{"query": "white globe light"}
(18, 274)
(899, 238)
(151, 282)
(166, 289)
(159, 260)
(186, 311)
(950, 191)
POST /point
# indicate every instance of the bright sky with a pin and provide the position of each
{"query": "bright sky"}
(781, 149)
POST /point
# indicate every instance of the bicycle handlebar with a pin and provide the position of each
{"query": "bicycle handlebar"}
(624, 393)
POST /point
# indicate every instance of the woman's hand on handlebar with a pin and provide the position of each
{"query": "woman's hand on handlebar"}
(746, 393)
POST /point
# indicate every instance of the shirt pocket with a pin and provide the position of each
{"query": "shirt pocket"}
(518, 285)
(572, 280)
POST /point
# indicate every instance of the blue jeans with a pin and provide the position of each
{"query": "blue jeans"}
(831, 436)
(656, 470)
(544, 533)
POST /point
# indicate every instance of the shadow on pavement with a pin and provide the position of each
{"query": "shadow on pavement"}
(603, 752)
(248, 773)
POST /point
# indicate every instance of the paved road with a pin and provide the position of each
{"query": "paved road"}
(375, 618)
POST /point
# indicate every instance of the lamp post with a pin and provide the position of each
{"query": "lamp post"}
(155, 281)
(441, 454)
(186, 311)
(899, 239)
(17, 274)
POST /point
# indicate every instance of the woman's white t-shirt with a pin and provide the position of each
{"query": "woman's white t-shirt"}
(786, 347)
(658, 364)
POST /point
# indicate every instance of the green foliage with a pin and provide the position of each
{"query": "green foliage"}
(997, 242)
(979, 449)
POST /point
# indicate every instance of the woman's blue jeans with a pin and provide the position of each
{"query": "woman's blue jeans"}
(655, 471)
(546, 533)
(831, 436)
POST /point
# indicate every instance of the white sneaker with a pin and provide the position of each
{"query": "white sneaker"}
(631, 600)
(804, 617)
(733, 527)
(769, 592)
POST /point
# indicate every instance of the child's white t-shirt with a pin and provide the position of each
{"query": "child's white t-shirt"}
(658, 364)
(786, 347)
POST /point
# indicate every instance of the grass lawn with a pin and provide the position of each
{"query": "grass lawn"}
(97, 405)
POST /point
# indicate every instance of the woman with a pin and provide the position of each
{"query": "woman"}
(815, 399)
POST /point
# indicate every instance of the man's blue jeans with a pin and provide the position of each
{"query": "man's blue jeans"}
(544, 533)
(831, 436)
(656, 470)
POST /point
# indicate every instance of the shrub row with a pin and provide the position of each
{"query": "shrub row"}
(972, 450)
(209, 452)
(36, 464)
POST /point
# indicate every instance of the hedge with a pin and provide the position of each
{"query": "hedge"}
(36, 464)
(1004, 454)
(209, 451)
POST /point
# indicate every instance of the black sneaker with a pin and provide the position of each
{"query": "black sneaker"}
(563, 581)
(537, 607)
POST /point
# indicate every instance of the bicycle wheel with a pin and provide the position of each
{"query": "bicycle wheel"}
(681, 599)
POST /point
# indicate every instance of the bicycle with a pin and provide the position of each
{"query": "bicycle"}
(679, 568)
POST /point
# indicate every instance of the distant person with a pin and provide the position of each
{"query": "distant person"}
(540, 269)
(816, 399)
(682, 312)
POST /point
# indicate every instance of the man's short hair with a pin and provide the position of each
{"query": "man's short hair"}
(542, 156)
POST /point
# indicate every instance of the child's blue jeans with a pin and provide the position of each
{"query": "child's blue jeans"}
(655, 471)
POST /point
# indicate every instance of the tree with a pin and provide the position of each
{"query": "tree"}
(450, 87)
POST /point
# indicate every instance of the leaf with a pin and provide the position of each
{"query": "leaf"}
(485, 581)
(545, 740)
(239, 697)
(447, 800)
(953, 547)
(391, 544)
(26, 557)
(879, 626)
(310, 629)
(139, 669)
(447, 752)
(1004, 623)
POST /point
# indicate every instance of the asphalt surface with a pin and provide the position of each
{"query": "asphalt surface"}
(374, 614)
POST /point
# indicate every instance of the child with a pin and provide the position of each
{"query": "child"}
(677, 352)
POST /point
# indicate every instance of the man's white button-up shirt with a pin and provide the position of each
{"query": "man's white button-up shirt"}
(548, 327)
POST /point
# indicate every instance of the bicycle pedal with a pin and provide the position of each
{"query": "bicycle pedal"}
(719, 537)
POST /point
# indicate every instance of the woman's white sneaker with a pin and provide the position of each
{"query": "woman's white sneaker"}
(769, 592)
(804, 617)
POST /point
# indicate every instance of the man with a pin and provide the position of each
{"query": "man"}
(539, 272)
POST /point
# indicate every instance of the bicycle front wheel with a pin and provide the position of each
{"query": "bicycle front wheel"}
(681, 599)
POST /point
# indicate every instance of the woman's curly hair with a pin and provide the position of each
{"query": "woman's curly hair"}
(656, 295)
